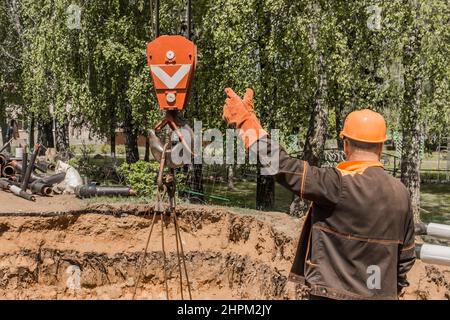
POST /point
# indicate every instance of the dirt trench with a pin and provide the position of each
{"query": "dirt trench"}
(93, 253)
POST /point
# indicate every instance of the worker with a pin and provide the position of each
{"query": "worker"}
(357, 240)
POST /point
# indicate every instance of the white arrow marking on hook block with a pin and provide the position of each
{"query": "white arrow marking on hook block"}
(171, 82)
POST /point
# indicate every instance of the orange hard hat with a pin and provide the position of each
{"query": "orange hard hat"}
(365, 125)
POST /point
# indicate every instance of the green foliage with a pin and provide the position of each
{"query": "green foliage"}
(73, 149)
(120, 150)
(91, 75)
(88, 168)
(141, 176)
(74, 162)
(432, 176)
(86, 150)
(104, 149)
(85, 165)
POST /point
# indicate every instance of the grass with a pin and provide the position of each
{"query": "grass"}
(435, 200)
(244, 195)
(117, 199)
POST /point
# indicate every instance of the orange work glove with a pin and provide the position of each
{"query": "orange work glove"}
(240, 114)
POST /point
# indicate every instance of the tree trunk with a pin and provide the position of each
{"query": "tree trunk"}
(448, 160)
(230, 176)
(112, 144)
(147, 149)
(411, 131)
(318, 123)
(410, 169)
(130, 135)
(3, 120)
(340, 110)
(265, 185)
(265, 191)
(62, 135)
(31, 128)
(339, 123)
(410, 117)
(45, 135)
(315, 141)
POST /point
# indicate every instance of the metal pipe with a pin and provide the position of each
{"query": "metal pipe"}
(24, 160)
(433, 229)
(9, 170)
(434, 254)
(33, 176)
(87, 191)
(4, 158)
(4, 184)
(26, 179)
(40, 168)
(40, 188)
(6, 145)
(43, 166)
(20, 193)
(53, 179)
(12, 183)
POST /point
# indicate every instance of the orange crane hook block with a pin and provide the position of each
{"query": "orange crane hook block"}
(172, 61)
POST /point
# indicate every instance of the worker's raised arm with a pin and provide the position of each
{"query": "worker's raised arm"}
(321, 185)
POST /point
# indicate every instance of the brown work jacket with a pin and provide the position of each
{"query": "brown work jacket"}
(357, 240)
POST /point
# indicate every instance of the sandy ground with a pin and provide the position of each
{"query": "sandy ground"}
(60, 203)
(64, 248)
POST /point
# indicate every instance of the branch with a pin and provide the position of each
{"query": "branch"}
(9, 55)
(14, 18)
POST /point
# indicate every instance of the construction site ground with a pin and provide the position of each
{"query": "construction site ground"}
(65, 248)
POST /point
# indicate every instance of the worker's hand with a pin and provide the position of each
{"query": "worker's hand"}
(234, 111)
(248, 103)
(248, 100)
(240, 114)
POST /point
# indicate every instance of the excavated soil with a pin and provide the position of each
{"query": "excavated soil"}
(91, 252)
(227, 255)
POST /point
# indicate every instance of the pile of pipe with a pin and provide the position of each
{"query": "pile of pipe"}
(20, 176)
(431, 253)
(28, 178)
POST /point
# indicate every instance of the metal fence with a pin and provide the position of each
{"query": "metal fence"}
(434, 168)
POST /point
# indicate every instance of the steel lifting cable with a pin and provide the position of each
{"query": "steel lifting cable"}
(164, 258)
(159, 209)
(178, 258)
(178, 237)
(183, 257)
(170, 189)
(144, 256)
(166, 185)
